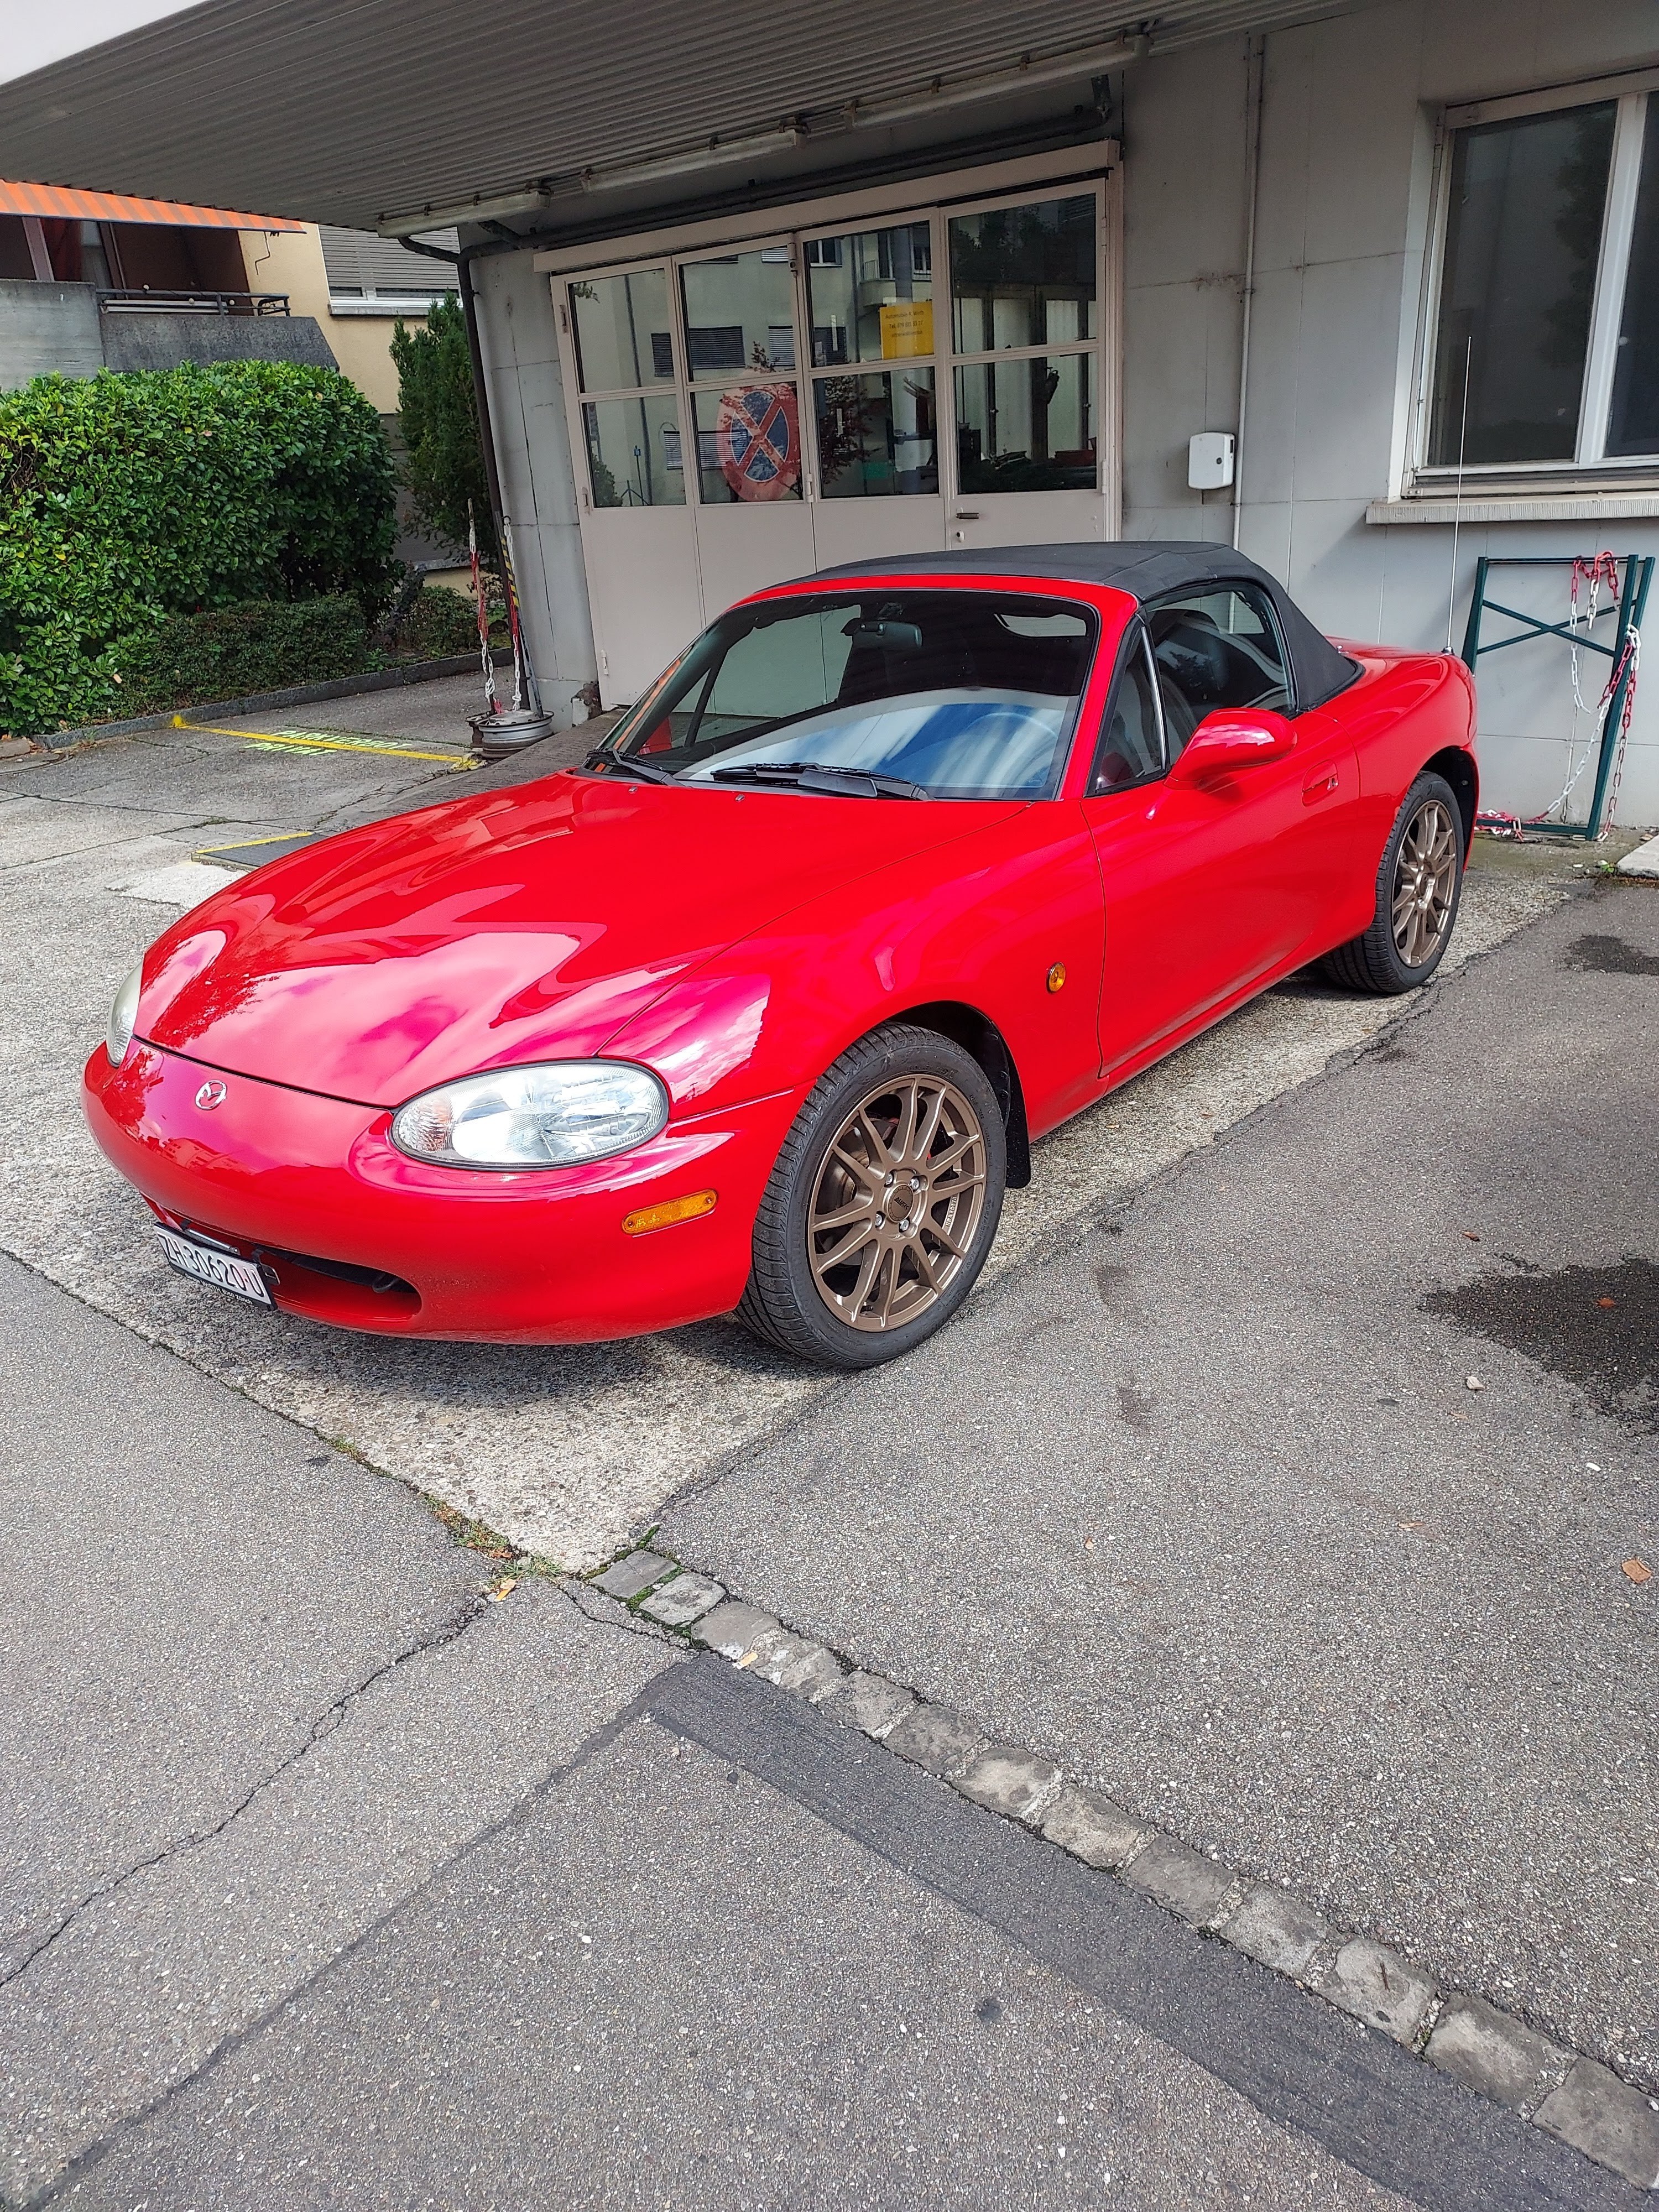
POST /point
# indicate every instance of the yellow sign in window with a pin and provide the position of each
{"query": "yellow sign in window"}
(907, 329)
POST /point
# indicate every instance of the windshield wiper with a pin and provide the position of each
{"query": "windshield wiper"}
(817, 775)
(599, 758)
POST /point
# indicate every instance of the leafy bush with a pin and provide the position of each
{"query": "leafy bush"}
(441, 622)
(126, 498)
(229, 653)
(232, 650)
(440, 418)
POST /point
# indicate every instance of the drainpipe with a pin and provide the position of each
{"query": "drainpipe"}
(1255, 57)
(462, 264)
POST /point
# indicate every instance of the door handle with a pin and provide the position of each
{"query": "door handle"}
(967, 514)
(1320, 788)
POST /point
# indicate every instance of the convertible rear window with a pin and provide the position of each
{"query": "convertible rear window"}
(932, 693)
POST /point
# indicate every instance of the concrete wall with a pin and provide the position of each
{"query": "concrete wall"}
(46, 328)
(1343, 214)
(526, 398)
(163, 341)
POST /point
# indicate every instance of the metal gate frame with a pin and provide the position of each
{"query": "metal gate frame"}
(1632, 602)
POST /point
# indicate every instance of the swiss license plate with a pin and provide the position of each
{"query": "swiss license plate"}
(222, 1269)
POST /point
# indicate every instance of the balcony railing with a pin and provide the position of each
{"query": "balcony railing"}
(148, 302)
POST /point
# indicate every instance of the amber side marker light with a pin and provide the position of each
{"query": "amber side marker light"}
(665, 1215)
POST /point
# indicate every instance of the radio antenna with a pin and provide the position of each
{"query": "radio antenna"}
(1457, 499)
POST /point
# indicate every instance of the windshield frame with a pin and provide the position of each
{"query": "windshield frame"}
(634, 720)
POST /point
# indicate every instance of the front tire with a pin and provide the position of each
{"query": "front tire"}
(883, 1205)
(1420, 884)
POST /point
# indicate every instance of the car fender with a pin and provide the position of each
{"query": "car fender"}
(1008, 924)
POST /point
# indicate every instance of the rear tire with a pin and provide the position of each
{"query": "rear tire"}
(1420, 884)
(883, 1205)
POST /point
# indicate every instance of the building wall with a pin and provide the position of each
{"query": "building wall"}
(1342, 224)
(292, 262)
(1347, 125)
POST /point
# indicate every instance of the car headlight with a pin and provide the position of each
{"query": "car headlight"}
(122, 1015)
(550, 1116)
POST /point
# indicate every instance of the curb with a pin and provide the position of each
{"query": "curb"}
(1581, 2102)
(261, 702)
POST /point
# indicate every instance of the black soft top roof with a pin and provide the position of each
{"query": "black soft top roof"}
(1146, 568)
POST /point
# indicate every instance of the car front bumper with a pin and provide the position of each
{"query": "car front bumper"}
(352, 1232)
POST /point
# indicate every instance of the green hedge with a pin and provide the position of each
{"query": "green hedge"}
(128, 498)
(230, 652)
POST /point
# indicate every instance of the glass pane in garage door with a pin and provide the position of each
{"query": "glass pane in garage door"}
(1023, 276)
(622, 338)
(748, 446)
(1027, 425)
(877, 434)
(740, 312)
(870, 295)
(634, 456)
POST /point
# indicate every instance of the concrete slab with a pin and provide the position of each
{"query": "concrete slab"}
(1643, 861)
(254, 1696)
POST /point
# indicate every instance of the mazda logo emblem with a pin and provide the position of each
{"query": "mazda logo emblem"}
(210, 1096)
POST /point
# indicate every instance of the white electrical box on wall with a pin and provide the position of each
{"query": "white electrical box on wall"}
(1210, 459)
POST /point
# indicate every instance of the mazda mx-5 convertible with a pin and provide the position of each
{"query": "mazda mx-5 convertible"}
(761, 1008)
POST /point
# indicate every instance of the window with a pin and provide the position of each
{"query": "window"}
(371, 275)
(1186, 658)
(632, 432)
(871, 299)
(1131, 746)
(1216, 649)
(957, 695)
(1546, 326)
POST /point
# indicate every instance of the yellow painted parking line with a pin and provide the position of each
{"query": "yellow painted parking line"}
(292, 739)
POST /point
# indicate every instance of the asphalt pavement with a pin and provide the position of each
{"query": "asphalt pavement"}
(1291, 1503)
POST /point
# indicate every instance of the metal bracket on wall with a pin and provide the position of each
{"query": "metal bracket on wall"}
(1637, 574)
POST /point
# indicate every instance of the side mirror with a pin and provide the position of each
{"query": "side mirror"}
(1235, 737)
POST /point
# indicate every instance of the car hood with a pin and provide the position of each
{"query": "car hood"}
(505, 926)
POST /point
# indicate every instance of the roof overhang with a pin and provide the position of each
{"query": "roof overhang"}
(400, 115)
(63, 200)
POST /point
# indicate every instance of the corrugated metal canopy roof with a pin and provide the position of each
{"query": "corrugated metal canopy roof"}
(366, 109)
(57, 200)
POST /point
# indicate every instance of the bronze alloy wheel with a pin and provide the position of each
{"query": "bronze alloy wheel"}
(1424, 882)
(896, 1205)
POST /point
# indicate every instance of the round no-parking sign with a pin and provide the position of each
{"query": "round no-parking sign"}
(757, 438)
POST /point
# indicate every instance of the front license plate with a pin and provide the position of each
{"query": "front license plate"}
(222, 1269)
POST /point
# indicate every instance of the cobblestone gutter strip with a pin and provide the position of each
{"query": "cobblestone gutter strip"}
(1573, 2098)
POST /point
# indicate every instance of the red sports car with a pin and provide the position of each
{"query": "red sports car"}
(760, 1008)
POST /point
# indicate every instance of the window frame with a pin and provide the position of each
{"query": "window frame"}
(1589, 460)
(1041, 178)
(1138, 623)
(1135, 635)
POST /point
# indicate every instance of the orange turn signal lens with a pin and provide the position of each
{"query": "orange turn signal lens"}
(665, 1215)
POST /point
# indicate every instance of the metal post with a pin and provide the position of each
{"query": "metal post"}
(1472, 632)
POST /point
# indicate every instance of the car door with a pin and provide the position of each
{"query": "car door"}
(1209, 885)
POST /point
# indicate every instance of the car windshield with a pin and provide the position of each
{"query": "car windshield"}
(871, 693)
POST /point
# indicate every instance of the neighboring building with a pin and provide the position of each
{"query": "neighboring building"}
(98, 280)
(962, 276)
(355, 287)
(94, 280)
